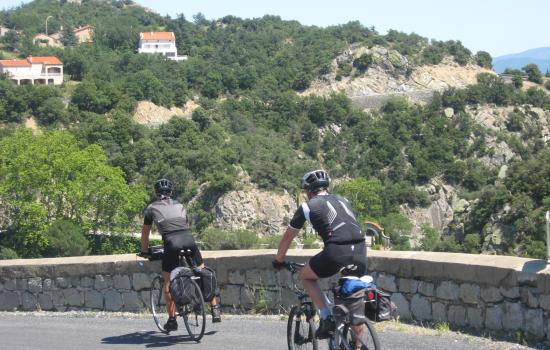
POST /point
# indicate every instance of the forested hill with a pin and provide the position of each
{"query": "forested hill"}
(90, 166)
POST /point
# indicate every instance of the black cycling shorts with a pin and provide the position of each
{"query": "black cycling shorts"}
(174, 242)
(334, 257)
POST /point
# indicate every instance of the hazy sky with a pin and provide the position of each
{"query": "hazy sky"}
(497, 26)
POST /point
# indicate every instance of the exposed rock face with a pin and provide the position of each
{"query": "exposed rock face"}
(440, 213)
(392, 74)
(264, 212)
(148, 113)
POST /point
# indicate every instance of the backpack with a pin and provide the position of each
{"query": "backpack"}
(208, 283)
(180, 285)
(382, 309)
(350, 308)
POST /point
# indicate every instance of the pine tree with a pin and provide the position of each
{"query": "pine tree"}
(68, 38)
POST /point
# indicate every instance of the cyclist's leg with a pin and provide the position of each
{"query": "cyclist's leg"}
(309, 279)
(170, 306)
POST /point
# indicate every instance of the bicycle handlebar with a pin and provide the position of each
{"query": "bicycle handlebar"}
(293, 266)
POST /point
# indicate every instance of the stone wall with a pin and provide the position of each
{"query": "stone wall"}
(477, 291)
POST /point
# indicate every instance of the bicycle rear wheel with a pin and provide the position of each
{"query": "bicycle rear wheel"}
(362, 337)
(158, 308)
(301, 328)
(193, 313)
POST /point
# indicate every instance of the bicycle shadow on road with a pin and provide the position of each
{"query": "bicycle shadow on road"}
(150, 339)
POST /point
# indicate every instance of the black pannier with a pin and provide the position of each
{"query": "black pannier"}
(208, 283)
(180, 285)
(350, 308)
(382, 308)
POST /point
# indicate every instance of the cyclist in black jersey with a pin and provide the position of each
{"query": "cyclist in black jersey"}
(344, 244)
(170, 218)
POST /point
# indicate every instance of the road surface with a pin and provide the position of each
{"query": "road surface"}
(83, 331)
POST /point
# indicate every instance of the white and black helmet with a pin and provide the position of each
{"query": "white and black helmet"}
(315, 179)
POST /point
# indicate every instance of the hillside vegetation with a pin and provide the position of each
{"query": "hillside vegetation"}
(90, 167)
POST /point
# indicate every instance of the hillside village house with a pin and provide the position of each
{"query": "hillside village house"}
(34, 70)
(163, 43)
(3, 31)
(83, 35)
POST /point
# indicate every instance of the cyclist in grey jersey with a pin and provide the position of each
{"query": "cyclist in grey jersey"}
(170, 218)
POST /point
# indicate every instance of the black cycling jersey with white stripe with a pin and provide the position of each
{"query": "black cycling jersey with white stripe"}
(332, 217)
(168, 215)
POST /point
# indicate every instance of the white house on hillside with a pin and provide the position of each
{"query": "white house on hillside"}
(34, 70)
(163, 43)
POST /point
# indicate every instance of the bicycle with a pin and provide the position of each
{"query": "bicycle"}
(302, 323)
(193, 312)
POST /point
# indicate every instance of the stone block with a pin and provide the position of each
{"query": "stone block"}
(457, 315)
(58, 300)
(439, 312)
(493, 318)
(231, 295)
(21, 284)
(534, 322)
(491, 295)
(421, 308)
(72, 297)
(407, 285)
(530, 297)
(263, 277)
(403, 309)
(93, 299)
(235, 277)
(131, 301)
(145, 297)
(386, 282)
(86, 282)
(62, 282)
(45, 301)
(510, 293)
(475, 317)
(545, 302)
(10, 285)
(122, 282)
(29, 302)
(9, 301)
(469, 293)
(113, 300)
(35, 285)
(447, 290)
(249, 296)
(102, 282)
(141, 281)
(47, 285)
(513, 316)
(426, 288)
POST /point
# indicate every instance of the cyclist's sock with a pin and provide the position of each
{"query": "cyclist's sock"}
(324, 313)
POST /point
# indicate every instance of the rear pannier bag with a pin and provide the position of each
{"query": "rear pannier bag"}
(383, 309)
(208, 283)
(353, 305)
(180, 285)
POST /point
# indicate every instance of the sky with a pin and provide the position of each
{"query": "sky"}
(497, 26)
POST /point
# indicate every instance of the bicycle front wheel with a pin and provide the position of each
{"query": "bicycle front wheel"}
(158, 304)
(193, 313)
(362, 337)
(301, 328)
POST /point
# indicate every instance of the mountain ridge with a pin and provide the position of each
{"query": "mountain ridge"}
(539, 56)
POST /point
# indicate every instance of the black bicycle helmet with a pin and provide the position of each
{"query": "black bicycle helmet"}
(163, 186)
(314, 180)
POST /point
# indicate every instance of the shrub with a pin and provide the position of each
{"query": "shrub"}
(547, 85)
(8, 253)
(216, 239)
(363, 62)
(472, 243)
(66, 238)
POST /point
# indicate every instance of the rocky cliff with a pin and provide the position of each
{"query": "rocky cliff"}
(392, 74)
(148, 113)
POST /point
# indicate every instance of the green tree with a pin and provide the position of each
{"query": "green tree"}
(48, 177)
(66, 238)
(484, 59)
(363, 62)
(533, 73)
(398, 227)
(364, 196)
(68, 38)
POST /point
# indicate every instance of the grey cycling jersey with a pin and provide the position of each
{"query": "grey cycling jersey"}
(168, 215)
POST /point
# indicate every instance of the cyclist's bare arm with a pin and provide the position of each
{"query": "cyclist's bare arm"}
(145, 231)
(285, 243)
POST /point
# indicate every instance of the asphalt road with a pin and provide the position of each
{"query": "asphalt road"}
(36, 331)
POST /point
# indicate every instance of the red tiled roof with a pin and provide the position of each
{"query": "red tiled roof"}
(44, 59)
(79, 29)
(14, 63)
(157, 36)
